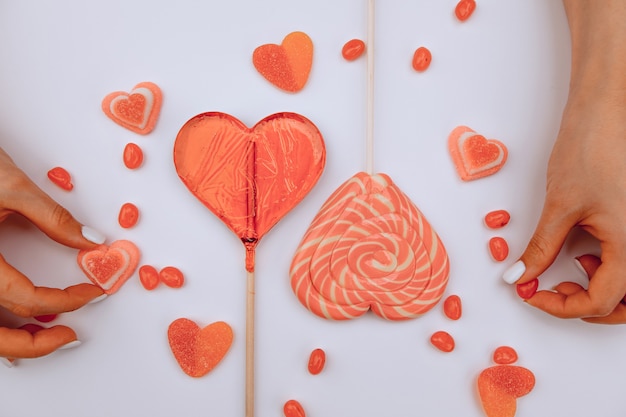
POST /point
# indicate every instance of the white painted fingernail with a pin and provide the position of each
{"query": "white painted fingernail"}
(93, 235)
(70, 345)
(7, 362)
(579, 266)
(514, 272)
(98, 299)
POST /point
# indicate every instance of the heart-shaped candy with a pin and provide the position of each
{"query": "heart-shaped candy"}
(138, 110)
(249, 177)
(110, 267)
(500, 386)
(474, 156)
(287, 65)
(197, 350)
(369, 247)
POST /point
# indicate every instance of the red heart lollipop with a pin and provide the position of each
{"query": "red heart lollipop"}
(249, 177)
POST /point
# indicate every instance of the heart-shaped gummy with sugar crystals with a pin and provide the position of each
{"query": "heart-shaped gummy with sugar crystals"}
(138, 110)
(249, 177)
(111, 266)
(287, 65)
(475, 156)
(500, 386)
(198, 350)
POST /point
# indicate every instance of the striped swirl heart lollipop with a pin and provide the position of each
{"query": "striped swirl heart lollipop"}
(369, 248)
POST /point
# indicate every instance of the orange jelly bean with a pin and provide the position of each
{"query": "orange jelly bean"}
(128, 216)
(452, 307)
(497, 219)
(172, 277)
(317, 360)
(421, 59)
(442, 341)
(353, 49)
(504, 355)
(464, 9)
(133, 156)
(149, 277)
(293, 408)
(60, 177)
(527, 289)
(499, 248)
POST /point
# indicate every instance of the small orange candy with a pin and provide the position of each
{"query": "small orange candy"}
(149, 277)
(293, 408)
(504, 355)
(421, 59)
(60, 177)
(128, 216)
(497, 219)
(133, 156)
(464, 9)
(452, 307)
(317, 360)
(442, 341)
(353, 49)
(172, 277)
(499, 248)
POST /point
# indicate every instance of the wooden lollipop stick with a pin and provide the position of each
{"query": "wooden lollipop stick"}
(369, 146)
(250, 345)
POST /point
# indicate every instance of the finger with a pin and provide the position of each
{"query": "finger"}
(543, 247)
(20, 194)
(604, 294)
(20, 296)
(588, 264)
(617, 316)
(19, 343)
(56, 221)
(568, 288)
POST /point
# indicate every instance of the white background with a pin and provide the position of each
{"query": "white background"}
(504, 73)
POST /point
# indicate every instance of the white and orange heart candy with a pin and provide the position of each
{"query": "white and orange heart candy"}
(138, 110)
(473, 155)
(111, 266)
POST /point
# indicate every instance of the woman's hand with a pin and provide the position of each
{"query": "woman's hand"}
(586, 179)
(19, 195)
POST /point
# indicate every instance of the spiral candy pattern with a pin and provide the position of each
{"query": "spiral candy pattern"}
(369, 248)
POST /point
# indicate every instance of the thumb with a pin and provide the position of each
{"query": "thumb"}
(58, 223)
(543, 247)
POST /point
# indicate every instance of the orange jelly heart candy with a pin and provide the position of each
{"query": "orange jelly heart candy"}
(199, 350)
(500, 386)
(287, 65)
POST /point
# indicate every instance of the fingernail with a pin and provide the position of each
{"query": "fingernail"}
(579, 266)
(93, 235)
(7, 362)
(514, 272)
(98, 299)
(70, 345)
